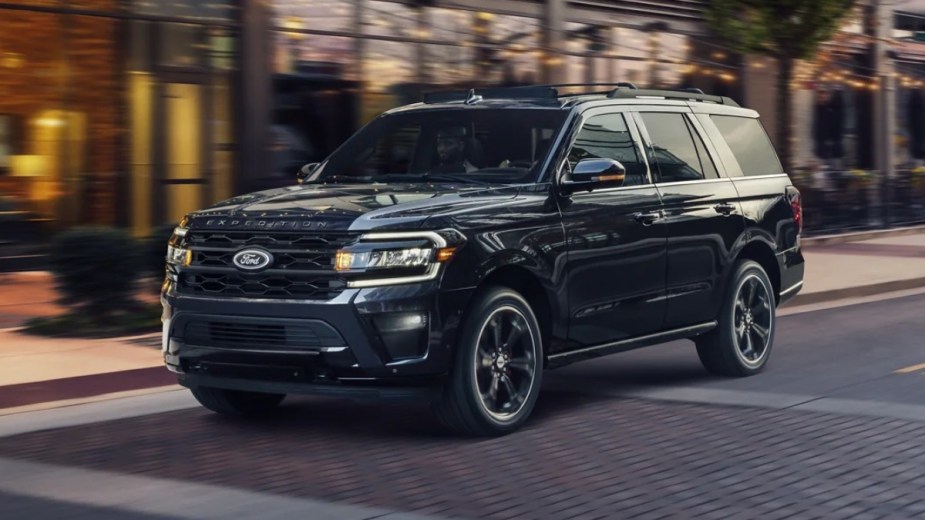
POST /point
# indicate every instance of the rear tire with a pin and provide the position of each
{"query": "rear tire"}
(497, 369)
(234, 403)
(741, 343)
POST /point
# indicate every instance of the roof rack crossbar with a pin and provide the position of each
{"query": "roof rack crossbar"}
(686, 94)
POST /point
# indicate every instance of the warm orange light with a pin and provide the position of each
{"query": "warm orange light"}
(444, 254)
(343, 261)
(188, 259)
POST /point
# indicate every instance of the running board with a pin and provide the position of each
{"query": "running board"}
(567, 358)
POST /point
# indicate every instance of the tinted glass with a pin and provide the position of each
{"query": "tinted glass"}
(607, 137)
(750, 144)
(466, 145)
(673, 147)
(709, 169)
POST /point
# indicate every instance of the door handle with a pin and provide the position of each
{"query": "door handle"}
(647, 219)
(725, 208)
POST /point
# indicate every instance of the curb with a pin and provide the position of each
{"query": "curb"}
(854, 292)
(858, 236)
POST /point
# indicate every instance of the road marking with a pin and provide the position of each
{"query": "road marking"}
(910, 369)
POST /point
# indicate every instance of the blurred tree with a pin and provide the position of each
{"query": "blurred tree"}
(787, 30)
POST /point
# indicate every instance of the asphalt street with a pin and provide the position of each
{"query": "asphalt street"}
(832, 429)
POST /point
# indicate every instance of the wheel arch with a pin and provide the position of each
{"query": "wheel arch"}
(761, 252)
(529, 285)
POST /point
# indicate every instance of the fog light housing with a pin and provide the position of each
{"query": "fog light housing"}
(400, 321)
(403, 334)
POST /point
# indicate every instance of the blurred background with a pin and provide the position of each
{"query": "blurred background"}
(130, 113)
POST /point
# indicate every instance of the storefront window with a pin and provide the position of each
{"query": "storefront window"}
(222, 120)
(33, 70)
(182, 45)
(325, 15)
(89, 141)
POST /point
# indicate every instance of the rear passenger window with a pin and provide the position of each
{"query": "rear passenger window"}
(607, 137)
(676, 148)
(750, 144)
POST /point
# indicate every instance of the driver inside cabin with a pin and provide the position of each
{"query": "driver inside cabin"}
(454, 150)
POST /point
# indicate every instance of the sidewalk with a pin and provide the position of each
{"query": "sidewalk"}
(36, 371)
(849, 269)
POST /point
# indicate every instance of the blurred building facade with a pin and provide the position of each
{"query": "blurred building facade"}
(116, 112)
(133, 112)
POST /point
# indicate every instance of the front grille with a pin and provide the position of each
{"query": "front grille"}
(303, 265)
(274, 336)
(261, 285)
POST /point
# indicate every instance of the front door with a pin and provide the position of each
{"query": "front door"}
(616, 241)
(704, 219)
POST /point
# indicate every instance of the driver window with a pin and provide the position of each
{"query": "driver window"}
(607, 136)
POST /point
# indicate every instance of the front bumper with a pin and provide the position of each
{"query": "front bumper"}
(352, 345)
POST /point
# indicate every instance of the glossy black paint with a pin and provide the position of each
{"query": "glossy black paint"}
(616, 264)
(609, 268)
(706, 229)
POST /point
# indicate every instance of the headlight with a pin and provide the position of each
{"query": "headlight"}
(179, 256)
(413, 257)
(177, 253)
(395, 258)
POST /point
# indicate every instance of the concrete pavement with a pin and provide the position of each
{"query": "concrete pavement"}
(837, 270)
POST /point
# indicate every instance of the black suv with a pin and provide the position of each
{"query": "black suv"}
(454, 249)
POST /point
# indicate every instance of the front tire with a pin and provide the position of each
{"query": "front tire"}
(498, 367)
(741, 343)
(234, 403)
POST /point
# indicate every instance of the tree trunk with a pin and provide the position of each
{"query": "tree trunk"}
(784, 112)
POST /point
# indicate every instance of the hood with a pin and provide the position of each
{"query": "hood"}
(346, 207)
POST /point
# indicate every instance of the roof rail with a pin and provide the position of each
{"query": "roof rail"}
(685, 94)
(474, 95)
(625, 84)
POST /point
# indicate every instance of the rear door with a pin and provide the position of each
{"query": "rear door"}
(703, 216)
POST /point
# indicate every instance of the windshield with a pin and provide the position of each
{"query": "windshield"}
(478, 145)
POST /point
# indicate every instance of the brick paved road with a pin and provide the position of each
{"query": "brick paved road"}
(583, 457)
(591, 455)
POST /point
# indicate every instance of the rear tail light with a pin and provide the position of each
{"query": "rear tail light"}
(796, 206)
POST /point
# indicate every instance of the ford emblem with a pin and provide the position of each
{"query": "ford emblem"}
(252, 259)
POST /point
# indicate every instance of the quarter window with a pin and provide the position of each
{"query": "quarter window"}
(607, 136)
(749, 144)
(678, 151)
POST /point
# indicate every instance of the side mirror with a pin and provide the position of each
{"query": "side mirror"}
(592, 173)
(306, 172)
